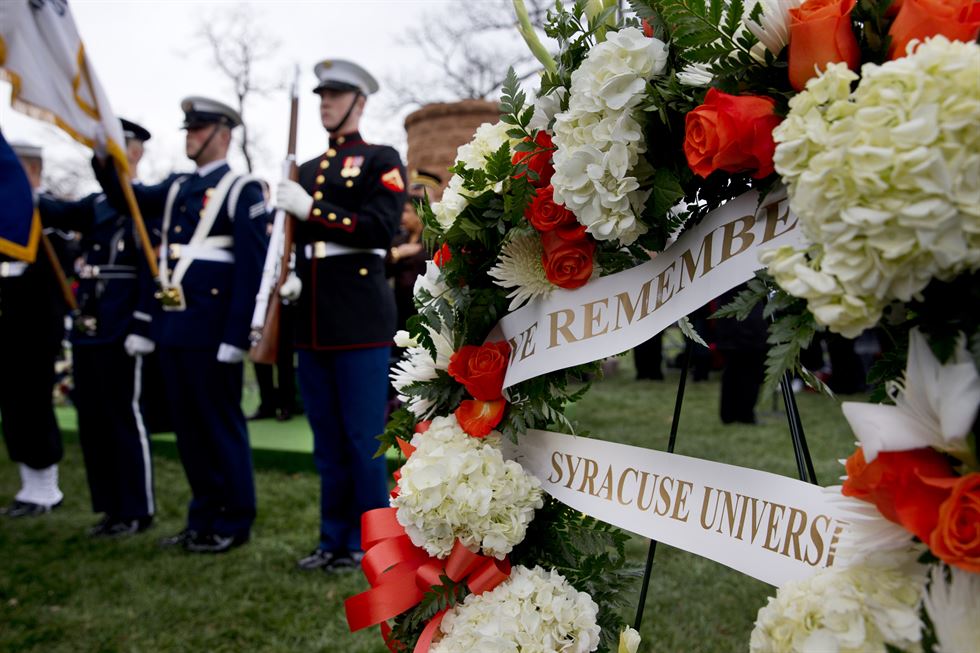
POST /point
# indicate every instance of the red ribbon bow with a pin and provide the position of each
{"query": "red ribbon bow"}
(400, 573)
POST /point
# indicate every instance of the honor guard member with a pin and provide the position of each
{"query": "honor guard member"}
(115, 445)
(348, 202)
(213, 241)
(32, 312)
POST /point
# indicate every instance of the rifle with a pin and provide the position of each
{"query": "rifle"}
(268, 304)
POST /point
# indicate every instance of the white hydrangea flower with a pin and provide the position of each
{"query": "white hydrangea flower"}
(600, 139)
(885, 180)
(458, 487)
(519, 266)
(486, 140)
(532, 611)
(953, 606)
(856, 609)
(545, 108)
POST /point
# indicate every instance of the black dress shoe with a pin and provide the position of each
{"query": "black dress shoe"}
(178, 539)
(114, 527)
(330, 561)
(27, 509)
(214, 543)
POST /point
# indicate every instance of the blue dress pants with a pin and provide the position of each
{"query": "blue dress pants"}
(205, 404)
(345, 393)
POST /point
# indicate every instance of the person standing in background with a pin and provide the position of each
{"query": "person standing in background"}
(348, 202)
(114, 441)
(408, 256)
(32, 311)
(211, 255)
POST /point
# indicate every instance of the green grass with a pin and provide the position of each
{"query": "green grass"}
(61, 591)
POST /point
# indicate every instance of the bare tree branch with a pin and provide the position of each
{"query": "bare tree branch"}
(467, 51)
(237, 46)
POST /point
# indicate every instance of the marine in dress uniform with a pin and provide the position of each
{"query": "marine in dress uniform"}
(348, 202)
(115, 444)
(32, 314)
(213, 242)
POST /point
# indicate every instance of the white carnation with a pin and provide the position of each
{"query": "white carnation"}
(418, 366)
(458, 487)
(885, 180)
(532, 611)
(600, 137)
(953, 606)
(520, 267)
(856, 609)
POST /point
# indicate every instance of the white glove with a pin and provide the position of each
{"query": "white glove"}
(291, 288)
(291, 197)
(135, 344)
(230, 354)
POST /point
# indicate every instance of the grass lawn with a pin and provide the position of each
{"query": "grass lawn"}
(61, 591)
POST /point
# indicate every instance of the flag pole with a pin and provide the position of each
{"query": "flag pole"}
(59, 274)
(127, 187)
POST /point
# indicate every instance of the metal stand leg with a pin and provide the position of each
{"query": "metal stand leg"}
(804, 464)
(678, 402)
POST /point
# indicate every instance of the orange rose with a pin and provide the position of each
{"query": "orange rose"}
(820, 33)
(894, 482)
(957, 20)
(545, 215)
(481, 369)
(731, 133)
(956, 539)
(567, 263)
(538, 159)
(478, 418)
(442, 255)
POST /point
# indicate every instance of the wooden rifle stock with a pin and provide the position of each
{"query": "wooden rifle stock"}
(266, 348)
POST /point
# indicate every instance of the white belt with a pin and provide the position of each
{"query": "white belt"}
(107, 272)
(214, 249)
(321, 249)
(12, 268)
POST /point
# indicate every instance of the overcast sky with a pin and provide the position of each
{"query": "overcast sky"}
(148, 57)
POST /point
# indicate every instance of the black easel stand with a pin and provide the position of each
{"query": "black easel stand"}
(678, 402)
(804, 463)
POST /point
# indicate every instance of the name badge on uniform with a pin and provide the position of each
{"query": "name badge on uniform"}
(352, 166)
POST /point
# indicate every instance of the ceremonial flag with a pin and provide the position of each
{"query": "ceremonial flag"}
(42, 56)
(20, 227)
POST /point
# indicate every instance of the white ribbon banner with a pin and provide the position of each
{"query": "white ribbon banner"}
(613, 314)
(771, 527)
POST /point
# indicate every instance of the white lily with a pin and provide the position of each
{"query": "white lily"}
(934, 407)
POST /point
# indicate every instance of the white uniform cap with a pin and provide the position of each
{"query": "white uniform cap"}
(200, 111)
(342, 75)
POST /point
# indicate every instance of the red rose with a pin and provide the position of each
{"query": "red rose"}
(567, 263)
(481, 369)
(956, 539)
(820, 33)
(731, 133)
(896, 483)
(957, 20)
(538, 159)
(442, 256)
(478, 418)
(647, 28)
(545, 215)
